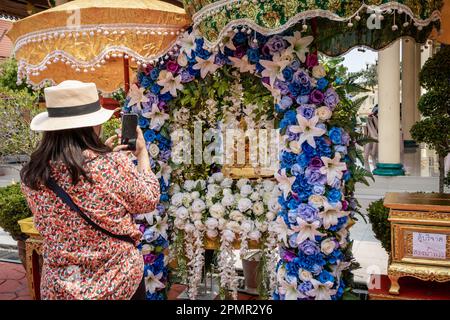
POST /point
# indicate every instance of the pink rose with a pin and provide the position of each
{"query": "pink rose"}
(312, 60)
(172, 66)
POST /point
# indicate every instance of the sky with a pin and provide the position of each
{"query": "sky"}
(356, 60)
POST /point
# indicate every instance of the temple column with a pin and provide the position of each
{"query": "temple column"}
(389, 112)
(409, 80)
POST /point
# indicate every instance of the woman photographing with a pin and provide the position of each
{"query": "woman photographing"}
(82, 195)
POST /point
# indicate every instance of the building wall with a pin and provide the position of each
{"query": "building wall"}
(5, 42)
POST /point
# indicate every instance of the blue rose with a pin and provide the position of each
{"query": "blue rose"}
(294, 89)
(240, 38)
(166, 97)
(309, 150)
(297, 169)
(347, 175)
(322, 83)
(290, 118)
(318, 189)
(304, 90)
(325, 276)
(295, 65)
(143, 122)
(149, 136)
(334, 195)
(335, 135)
(286, 102)
(199, 43)
(155, 89)
(341, 149)
(305, 287)
(150, 235)
(154, 74)
(253, 55)
(309, 247)
(307, 110)
(338, 81)
(307, 212)
(288, 159)
(303, 159)
(146, 82)
(288, 73)
(302, 99)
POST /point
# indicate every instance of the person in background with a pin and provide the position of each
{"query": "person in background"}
(82, 195)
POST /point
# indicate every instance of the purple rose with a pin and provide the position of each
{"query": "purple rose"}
(305, 287)
(344, 205)
(307, 212)
(307, 110)
(186, 76)
(309, 247)
(316, 162)
(301, 78)
(286, 102)
(276, 44)
(297, 169)
(142, 228)
(345, 138)
(331, 98)
(340, 149)
(316, 97)
(314, 176)
(318, 189)
(287, 255)
(282, 86)
(240, 52)
(149, 258)
(302, 99)
(172, 66)
(312, 60)
(293, 136)
(295, 65)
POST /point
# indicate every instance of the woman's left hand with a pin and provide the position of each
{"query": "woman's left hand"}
(111, 141)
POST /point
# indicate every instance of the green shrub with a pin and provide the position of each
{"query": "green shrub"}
(378, 217)
(13, 207)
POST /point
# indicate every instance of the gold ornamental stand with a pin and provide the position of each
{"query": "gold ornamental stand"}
(420, 237)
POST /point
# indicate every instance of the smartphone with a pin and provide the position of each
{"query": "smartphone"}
(129, 127)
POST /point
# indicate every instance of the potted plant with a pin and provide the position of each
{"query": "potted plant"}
(14, 207)
(378, 217)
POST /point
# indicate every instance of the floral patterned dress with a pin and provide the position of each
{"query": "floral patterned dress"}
(79, 261)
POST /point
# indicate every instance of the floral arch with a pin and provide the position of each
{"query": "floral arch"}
(316, 178)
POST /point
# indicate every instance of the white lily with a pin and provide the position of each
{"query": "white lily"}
(331, 213)
(339, 267)
(187, 43)
(274, 69)
(276, 93)
(282, 230)
(156, 116)
(148, 216)
(161, 226)
(306, 230)
(152, 281)
(289, 288)
(300, 44)
(164, 172)
(243, 64)
(169, 83)
(321, 291)
(308, 130)
(284, 182)
(206, 66)
(136, 96)
(333, 168)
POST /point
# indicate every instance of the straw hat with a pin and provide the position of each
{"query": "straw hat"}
(71, 104)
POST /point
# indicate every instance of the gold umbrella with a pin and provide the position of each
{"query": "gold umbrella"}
(92, 40)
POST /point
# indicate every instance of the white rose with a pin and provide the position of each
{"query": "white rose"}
(247, 225)
(146, 249)
(270, 216)
(182, 60)
(295, 147)
(210, 233)
(227, 191)
(213, 189)
(254, 235)
(324, 113)
(189, 228)
(218, 177)
(182, 213)
(274, 205)
(226, 183)
(327, 246)
(217, 210)
(244, 204)
(211, 223)
(258, 208)
(189, 185)
(268, 185)
(196, 216)
(199, 225)
(228, 235)
(198, 205)
(222, 223)
(242, 182)
(261, 226)
(318, 72)
(236, 215)
(201, 183)
(187, 200)
(246, 190)
(153, 150)
(173, 189)
(305, 275)
(228, 200)
(316, 200)
(234, 226)
(177, 199)
(179, 223)
(195, 195)
(254, 196)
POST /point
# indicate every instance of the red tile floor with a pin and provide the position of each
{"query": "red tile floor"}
(13, 284)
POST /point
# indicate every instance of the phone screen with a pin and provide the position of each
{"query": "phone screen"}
(129, 125)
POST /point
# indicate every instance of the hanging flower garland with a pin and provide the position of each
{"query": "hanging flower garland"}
(311, 226)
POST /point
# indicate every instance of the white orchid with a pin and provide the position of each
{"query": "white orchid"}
(307, 129)
(243, 64)
(321, 291)
(169, 83)
(282, 230)
(300, 44)
(333, 168)
(152, 281)
(331, 213)
(136, 96)
(274, 69)
(284, 182)
(306, 230)
(164, 172)
(206, 66)
(157, 117)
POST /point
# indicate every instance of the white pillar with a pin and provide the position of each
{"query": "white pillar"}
(409, 77)
(389, 112)
(418, 88)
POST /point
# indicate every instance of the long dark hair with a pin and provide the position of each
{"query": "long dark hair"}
(66, 146)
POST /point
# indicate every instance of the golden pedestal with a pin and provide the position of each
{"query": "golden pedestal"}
(420, 237)
(33, 248)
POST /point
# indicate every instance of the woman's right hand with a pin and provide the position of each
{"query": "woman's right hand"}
(141, 147)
